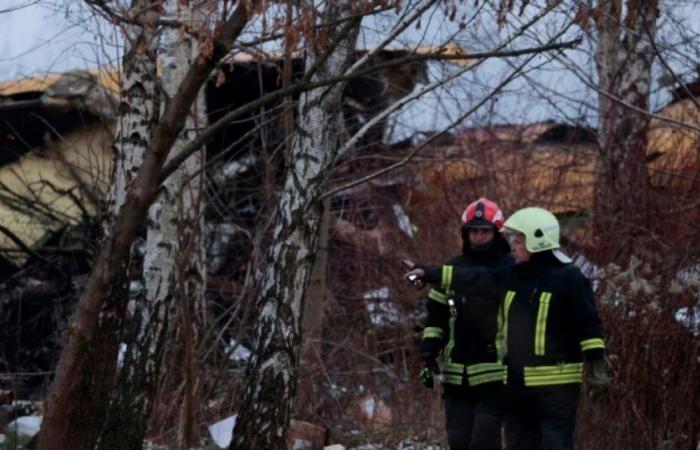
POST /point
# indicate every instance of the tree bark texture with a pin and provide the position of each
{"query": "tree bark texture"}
(312, 323)
(174, 271)
(63, 425)
(77, 403)
(624, 57)
(173, 228)
(263, 419)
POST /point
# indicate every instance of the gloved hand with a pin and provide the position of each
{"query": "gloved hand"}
(427, 374)
(597, 378)
(419, 274)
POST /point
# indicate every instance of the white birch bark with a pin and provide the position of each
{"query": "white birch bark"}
(312, 322)
(174, 273)
(173, 241)
(173, 266)
(138, 112)
(91, 383)
(624, 57)
(263, 418)
(175, 218)
(76, 404)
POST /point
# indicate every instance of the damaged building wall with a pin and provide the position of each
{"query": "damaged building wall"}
(59, 133)
(61, 184)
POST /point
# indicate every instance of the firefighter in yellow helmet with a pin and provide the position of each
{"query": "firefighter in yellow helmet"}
(549, 327)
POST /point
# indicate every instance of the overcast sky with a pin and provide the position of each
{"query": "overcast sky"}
(41, 36)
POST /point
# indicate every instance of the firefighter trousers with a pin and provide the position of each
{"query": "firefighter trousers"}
(474, 416)
(542, 418)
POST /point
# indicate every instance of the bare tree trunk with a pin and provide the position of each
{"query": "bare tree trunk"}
(312, 323)
(173, 229)
(70, 396)
(174, 264)
(76, 407)
(624, 56)
(263, 419)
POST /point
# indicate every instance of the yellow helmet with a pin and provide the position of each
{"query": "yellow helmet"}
(541, 230)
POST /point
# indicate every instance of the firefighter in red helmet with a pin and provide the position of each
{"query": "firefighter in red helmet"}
(461, 330)
(549, 330)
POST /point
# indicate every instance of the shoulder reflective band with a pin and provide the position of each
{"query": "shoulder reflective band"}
(593, 343)
(502, 324)
(437, 296)
(446, 276)
(564, 373)
(433, 332)
(541, 324)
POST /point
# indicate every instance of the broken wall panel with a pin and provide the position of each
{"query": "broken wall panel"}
(61, 185)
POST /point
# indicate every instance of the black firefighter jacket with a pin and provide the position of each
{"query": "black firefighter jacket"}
(548, 322)
(464, 325)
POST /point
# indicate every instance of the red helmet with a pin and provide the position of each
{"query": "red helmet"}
(482, 213)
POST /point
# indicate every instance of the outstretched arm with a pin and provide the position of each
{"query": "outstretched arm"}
(463, 279)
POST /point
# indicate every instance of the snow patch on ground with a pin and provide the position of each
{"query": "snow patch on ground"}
(690, 317)
(239, 353)
(369, 406)
(26, 426)
(222, 431)
(690, 277)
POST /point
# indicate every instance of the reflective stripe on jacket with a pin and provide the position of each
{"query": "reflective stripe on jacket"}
(466, 327)
(548, 322)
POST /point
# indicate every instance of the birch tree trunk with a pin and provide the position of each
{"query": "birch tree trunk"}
(624, 57)
(312, 322)
(76, 409)
(71, 398)
(172, 259)
(174, 271)
(263, 419)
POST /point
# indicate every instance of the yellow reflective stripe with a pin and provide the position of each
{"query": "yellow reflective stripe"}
(590, 344)
(437, 296)
(502, 325)
(446, 276)
(453, 367)
(553, 375)
(476, 369)
(541, 324)
(485, 373)
(553, 380)
(433, 332)
(486, 378)
(452, 379)
(450, 345)
(551, 370)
